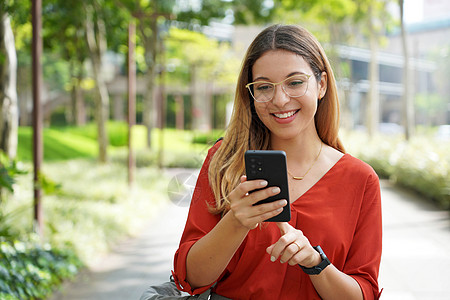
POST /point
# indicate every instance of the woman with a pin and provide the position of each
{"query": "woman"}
(286, 99)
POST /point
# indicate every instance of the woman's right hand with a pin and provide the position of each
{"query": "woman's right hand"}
(242, 208)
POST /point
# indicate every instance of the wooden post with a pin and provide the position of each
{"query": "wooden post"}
(179, 111)
(131, 99)
(37, 112)
(161, 104)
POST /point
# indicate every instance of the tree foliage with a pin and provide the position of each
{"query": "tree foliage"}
(187, 48)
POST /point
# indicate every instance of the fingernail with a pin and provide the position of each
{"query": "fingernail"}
(281, 262)
(273, 258)
(276, 190)
(263, 183)
(282, 202)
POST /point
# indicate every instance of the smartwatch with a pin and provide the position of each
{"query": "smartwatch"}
(320, 267)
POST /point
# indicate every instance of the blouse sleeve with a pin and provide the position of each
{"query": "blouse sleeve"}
(199, 222)
(363, 260)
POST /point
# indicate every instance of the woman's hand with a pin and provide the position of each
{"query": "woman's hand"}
(293, 247)
(242, 208)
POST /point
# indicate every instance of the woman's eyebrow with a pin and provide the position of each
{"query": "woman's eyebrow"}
(296, 73)
(262, 78)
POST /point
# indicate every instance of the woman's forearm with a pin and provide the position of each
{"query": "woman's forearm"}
(210, 255)
(333, 284)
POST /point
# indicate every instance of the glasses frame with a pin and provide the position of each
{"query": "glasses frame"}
(248, 86)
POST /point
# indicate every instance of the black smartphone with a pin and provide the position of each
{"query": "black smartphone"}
(270, 165)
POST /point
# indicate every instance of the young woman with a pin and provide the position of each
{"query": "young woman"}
(286, 99)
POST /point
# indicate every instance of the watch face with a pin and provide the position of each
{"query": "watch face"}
(321, 253)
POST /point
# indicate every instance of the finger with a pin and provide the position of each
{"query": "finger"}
(283, 245)
(297, 258)
(263, 194)
(289, 252)
(262, 210)
(284, 227)
(249, 185)
(266, 211)
(249, 215)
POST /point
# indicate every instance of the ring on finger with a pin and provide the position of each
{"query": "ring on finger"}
(299, 248)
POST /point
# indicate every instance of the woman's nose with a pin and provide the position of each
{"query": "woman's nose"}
(280, 98)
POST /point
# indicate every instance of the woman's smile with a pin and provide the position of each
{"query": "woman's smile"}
(285, 116)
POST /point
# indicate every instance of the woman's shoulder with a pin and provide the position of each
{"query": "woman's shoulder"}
(211, 151)
(357, 167)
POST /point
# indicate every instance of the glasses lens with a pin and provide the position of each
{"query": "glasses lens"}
(296, 86)
(262, 91)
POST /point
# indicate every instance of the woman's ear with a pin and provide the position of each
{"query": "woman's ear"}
(323, 84)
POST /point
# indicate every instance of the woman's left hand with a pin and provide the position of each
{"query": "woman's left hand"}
(293, 247)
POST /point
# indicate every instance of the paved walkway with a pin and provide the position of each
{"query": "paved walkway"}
(415, 263)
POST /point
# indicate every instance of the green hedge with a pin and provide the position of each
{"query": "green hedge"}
(30, 271)
(421, 164)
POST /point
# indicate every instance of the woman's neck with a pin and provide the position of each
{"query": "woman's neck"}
(300, 150)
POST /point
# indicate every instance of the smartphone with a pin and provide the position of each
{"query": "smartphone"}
(270, 165)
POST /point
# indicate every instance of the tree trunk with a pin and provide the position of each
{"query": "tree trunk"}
(179, 111)
(196, 111)
(118, 107)
(373, 97)
(407, 103)
(80, 107)
(341, 74)
(96, 45)
(150, 44)
(8, 89)
(77, 113)
(72, 107)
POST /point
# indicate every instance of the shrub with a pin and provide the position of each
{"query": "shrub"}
(424, 167)
(422, 164)
(31, 271)
(99, 193)
(207, 137)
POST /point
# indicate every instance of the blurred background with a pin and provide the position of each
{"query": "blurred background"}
(99, 97)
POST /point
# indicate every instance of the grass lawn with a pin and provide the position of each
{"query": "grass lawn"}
(81, 142)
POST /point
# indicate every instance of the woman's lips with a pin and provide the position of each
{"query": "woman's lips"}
(285, 117)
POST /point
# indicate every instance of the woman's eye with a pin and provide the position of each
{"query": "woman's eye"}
(265, 87)
(295, 83)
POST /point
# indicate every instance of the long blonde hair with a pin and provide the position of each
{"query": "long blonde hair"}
(246, 131)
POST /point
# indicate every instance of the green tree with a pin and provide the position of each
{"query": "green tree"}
(147, 13)
(64, 35)
(345, 20)
(8, 82)
(373, 18)
(200, 62)
(79, 30)
(332, 23)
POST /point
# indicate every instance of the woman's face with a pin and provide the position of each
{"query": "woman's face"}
(285, 116)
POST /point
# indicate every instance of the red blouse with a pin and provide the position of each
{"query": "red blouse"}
(341, 213)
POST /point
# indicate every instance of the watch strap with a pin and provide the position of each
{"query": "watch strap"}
(320, 267)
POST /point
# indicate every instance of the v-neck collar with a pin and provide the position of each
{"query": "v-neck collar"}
(330, 170)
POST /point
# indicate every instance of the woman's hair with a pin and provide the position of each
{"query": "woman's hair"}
(246, 131)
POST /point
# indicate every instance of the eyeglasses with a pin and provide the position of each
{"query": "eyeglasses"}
(294, 86)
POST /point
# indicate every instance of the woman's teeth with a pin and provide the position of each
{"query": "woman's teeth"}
(285, 115)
